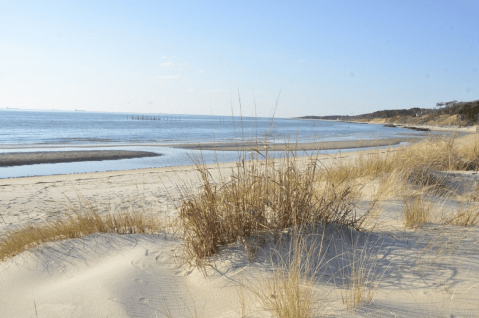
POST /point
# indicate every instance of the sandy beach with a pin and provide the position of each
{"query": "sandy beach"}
(111, 275)
(42, 198)
(437, 128)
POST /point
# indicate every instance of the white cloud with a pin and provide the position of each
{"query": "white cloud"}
(163, 56)
(183, 64)
(166, 64)
(301, 61)
(191, 90)
(200, 71)
(168, 77)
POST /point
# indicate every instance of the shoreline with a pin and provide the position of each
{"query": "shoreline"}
(465, 130)
(452, 129)
(68, 177)
(17, 159)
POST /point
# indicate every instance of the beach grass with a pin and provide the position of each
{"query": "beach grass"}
(358, 275)
(439, 153)
(416, 211)
(79, 221)
(262, 196)
(414, 168)
(291, 291)
(463, 217)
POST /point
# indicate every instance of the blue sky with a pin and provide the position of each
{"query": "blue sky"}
(193, 57)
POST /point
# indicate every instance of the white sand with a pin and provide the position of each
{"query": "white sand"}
(107, 275)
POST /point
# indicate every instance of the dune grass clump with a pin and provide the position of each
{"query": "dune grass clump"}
(358, 270)
(469, 150)
(416, 211)
(291, 292)
(439, 153)
(418, 165)
(427, 179)
(473, 195)
(78, 222)
(468, 217)
(262, 196)
(365, 165)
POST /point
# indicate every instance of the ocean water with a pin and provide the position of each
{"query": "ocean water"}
(29, 131)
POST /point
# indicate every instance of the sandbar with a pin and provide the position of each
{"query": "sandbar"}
(325, 145)
(30, 158)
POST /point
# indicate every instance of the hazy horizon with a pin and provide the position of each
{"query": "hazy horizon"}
(191, 57)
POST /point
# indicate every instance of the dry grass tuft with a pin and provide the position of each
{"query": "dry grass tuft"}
(427, 179)
(79, 222)
(291, 291)
(440, 153)
(365, 165)
(468, 217)
(473, 196)
(290, 294)
(416, 211)
(418, 164)
(358, 270)
(262, 197)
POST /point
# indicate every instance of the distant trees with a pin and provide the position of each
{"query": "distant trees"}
(468, 112)
(390, 113)
(451, 103)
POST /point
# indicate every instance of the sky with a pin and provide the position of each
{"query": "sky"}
(258, 58)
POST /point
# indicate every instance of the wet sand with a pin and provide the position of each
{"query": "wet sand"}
(30, 158)
(326, 145)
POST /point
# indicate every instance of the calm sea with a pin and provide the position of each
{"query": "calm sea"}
(28, 131)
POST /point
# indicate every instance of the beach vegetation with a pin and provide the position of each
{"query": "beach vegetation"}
(463, 217)
(81, 220)
(291, 290)
(420, 167)
(416, 211)
(358, 269)
(452, 113)
(262, 196)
